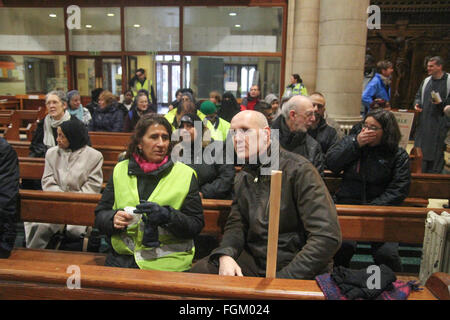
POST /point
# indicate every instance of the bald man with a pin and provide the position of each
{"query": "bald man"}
(309, 232)
(297, 115)
(320, 130)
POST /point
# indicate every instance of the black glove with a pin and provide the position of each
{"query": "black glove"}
(153, 216)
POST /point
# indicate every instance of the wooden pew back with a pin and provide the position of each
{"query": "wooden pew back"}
(362, 223)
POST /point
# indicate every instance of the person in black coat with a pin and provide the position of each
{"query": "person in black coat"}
(107, 116)
(376, 172)
(139, 108)
(229, 107)
(215, 176)
(9, 190)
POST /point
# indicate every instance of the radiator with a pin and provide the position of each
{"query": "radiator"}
(436, 246)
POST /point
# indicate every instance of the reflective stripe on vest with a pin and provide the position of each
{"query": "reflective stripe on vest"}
(170, 191)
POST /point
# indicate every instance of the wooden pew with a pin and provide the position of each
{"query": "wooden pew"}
(424, 186)
(110, 138)
(33, 168)
(30, 273)
(362, 223)
(25, 279)
(109, 152)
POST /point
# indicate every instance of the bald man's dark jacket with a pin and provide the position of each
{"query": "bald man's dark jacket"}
(309, 232)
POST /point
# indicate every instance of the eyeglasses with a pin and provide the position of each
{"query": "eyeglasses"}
(373, 128)
(319, 105)
(308, 114)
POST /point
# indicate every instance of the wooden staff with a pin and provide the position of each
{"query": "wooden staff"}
(274, 219)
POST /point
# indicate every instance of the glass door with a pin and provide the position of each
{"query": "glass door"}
(98, 72)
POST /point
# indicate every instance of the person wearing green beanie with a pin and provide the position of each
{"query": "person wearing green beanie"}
(221, 127)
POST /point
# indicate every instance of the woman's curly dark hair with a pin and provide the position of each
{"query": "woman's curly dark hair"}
(391, 132)
(141, 128)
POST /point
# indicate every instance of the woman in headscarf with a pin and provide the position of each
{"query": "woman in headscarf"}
(229, 107)
(72, 166)
(76, 108)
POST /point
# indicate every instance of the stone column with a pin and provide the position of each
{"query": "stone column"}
(341, 54)
(302, 40)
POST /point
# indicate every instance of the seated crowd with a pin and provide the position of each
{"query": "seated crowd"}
(151, 208)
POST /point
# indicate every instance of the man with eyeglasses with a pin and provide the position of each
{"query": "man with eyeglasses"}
(297, 115)
(320, 130)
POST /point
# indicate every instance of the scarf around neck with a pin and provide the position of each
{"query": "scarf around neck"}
(148, 166)
(49, 124)
(77, 112)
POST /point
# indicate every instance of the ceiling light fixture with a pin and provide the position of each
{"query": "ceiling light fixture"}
(52, 15)
(110, 14)
(232, 14)
(237, 25)
(88, 26)
(137, 25)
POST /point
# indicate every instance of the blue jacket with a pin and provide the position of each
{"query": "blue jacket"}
(375, 89)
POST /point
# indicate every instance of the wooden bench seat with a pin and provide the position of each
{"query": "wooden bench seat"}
(363, 223)
(58, 256)
(22, 279)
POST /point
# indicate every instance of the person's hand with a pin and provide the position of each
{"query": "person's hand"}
(154, 214)
(122, 219)
(417, 108)
(201, 195)
(365, 137)
(229, 267)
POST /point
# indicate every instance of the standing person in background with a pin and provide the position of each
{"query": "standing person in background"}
(229, 107)
(431, 98)
(296, 87)
(253, 96)
(76, 108)
(140, 81)
(379, 86)
(107, 116)
(9, 191)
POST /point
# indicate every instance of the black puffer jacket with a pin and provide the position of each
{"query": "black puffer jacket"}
(186, 222)
(372, 175)
(309, 232)
(9, 190)
(325, 135)
(109, 119)
(300, 143)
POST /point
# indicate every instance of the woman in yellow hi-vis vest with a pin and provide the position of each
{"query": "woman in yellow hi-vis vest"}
(296, 87)
(158, 234)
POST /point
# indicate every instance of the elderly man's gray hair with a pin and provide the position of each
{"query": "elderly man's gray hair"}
(292, 104)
